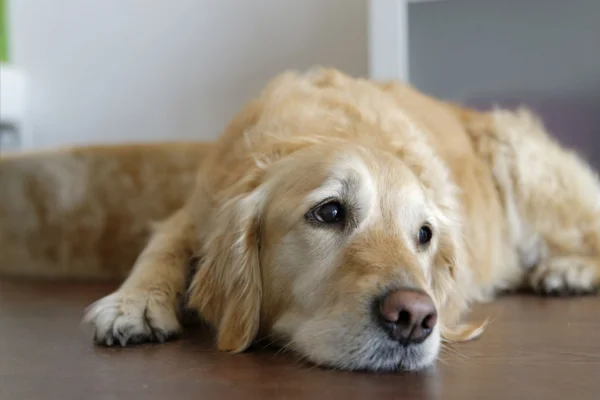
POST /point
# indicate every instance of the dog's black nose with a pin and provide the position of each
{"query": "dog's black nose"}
(407, 315)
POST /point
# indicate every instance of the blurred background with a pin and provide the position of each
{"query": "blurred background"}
(106, 71)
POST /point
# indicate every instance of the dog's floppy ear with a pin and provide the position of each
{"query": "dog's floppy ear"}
(227, 288)
(453, 286)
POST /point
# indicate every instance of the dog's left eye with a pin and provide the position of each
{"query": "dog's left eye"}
(329, 213)
(425, 235)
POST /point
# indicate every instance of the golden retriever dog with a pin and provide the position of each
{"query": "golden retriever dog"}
(354, 222)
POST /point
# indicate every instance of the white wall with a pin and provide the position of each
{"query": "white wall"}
(138, 70)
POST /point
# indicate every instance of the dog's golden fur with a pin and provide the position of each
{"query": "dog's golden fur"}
(509, 208)
(86, 212)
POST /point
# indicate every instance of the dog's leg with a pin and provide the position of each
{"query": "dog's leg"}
(144, 308)
(557, 197)
(565, 275)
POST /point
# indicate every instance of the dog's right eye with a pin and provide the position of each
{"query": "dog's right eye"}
(328, 213)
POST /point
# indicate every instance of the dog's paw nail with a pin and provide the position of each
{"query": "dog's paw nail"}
(160, 336)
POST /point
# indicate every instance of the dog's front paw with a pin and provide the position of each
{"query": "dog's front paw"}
(133, 317)
(565, 276)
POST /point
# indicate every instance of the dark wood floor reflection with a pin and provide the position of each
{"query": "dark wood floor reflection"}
(534, 349)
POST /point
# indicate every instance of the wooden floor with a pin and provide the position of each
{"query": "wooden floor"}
(534, 349)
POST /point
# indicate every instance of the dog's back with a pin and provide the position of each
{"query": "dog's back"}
(86, 212)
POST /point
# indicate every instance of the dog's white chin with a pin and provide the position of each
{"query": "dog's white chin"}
(355, 347)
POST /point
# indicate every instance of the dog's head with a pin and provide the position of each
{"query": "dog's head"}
(334, 243)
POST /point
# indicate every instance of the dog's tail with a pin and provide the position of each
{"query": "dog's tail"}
(86, 212)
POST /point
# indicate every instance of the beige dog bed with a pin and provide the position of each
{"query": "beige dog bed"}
(92, 205)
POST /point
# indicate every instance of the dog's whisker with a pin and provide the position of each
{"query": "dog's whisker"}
(453, 352)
